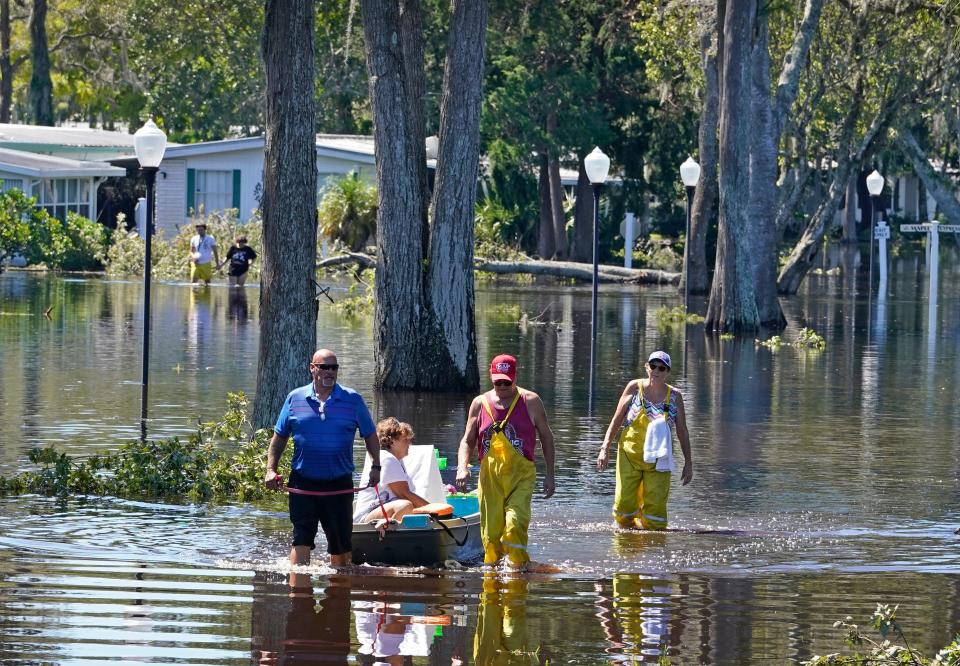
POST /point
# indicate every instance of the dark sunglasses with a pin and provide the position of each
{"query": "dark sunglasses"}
(325, 366)
(502, 382)
(660, 367)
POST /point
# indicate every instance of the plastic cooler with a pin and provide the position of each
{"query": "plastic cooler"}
(463, 504)
(415, 520)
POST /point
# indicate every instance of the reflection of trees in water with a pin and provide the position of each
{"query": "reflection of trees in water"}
(739, 399)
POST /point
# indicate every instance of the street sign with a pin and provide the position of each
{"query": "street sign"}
(629, 229)
(881, 231)
(950, 228)
(914, 227)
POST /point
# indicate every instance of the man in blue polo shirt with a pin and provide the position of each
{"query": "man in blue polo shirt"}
(323, 418)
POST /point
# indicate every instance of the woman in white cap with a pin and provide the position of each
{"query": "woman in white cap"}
(645, 413)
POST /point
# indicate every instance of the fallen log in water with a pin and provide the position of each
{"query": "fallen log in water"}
(570, 269)
(363, 260)
(560, 269)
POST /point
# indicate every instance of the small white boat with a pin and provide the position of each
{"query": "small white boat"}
(423, 539)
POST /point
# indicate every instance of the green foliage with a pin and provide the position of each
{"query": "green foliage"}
(495, 227)
(223, 460)
(348, 212)
(170, 258)
(654, 253)
(31, 232)
(503, 312)
(676, 315)
(806, 339)
(359, 301)
(883, 652)
(88, 244)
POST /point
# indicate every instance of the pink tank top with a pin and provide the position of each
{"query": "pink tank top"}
(518, 429)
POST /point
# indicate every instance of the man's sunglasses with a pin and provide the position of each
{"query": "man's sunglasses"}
(502, 382)
(659, 367)
(325, 366)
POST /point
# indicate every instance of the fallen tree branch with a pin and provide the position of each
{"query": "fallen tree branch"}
(363, 260)
(560, 269)
(569, 269)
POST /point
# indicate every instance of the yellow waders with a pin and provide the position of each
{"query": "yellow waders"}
(641, 496)
(505, 491)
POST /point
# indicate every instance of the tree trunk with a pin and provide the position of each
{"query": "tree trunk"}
(454, 361)
(705, 197)
(424, 332)
(582, 248)
(6, 66)
(923, 214)
(850, 210)
(732, 301)
(41, 86)
(939, 187)
(415, 89)
(400, 300)
(545, 241)
(288, 316)
(763, 181)
(556, 195)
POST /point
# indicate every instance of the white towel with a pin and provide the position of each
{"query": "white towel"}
(658, 444)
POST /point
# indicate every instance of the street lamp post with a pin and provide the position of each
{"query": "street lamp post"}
(597, 165)
(874, 187)
(149, 143)
(690, 175)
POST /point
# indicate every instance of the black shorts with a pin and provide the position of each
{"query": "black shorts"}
(333, 512)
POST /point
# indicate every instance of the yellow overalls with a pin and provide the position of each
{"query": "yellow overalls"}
(505, 491)
(641, 496)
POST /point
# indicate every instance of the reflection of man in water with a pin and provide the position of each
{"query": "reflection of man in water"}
(501, 636)
(199, 327)
(315, 633)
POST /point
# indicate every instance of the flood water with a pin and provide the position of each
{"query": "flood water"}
(825, 482)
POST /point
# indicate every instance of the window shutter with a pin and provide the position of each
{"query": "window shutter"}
(236, 189)
(191, 189)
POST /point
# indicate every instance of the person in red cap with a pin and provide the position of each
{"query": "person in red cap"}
(504, 424)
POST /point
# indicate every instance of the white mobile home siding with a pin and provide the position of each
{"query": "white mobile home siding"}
(171, 195)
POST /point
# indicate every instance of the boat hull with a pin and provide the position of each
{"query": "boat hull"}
(456, 538)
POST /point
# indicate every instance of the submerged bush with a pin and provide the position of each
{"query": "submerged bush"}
(883, 652)
(223, 460)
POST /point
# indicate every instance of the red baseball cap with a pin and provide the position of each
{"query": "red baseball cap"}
(503, 366)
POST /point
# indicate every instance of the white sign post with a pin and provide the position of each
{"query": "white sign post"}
(629, 231)
(932, 229)
(882, 232)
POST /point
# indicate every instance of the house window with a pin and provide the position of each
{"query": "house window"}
(214, 190)
(59, 196)
(11, 184)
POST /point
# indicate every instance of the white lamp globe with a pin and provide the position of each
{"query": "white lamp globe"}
(149, 143)
(690, 172)
(875, 183)
(597, 165)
